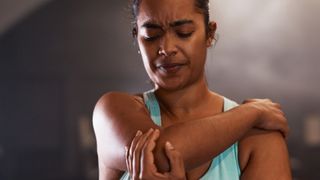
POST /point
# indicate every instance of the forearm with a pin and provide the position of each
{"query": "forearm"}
(200, 140)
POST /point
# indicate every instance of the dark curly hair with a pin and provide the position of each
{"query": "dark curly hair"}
(202, 5)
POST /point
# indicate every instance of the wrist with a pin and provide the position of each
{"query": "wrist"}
(255, 112)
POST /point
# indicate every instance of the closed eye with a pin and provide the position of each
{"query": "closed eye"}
(184, 35)
(151, 38)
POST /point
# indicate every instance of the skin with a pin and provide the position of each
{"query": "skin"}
(259, 153)
(143, 145)
(175, 63)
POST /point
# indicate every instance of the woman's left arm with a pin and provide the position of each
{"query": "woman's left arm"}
(264, 155)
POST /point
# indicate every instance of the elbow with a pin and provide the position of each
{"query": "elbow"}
(161, 158)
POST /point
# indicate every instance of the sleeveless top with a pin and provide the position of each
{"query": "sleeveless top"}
(225, 166)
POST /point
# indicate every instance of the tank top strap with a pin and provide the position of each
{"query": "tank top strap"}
(152, 104)
(228, 104)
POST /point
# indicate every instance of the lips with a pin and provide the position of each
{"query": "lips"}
(170, 67)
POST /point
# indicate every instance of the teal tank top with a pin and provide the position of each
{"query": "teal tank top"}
(223, 167)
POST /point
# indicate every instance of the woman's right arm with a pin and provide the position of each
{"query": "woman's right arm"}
(117, 117)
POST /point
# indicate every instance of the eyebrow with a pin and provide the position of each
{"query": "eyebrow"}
(151, 25)
(181, 22)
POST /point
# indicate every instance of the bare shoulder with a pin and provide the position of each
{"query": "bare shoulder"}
(264, 155)
(116, 118)
(116, 109)
(258, 139)
(114, 102)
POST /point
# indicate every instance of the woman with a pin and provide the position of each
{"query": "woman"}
(213, 138)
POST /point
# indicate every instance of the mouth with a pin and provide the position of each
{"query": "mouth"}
(170, 67)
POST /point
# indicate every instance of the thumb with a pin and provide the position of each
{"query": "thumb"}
(176, 160)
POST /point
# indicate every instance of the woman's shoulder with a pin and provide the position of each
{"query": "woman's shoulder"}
(259, 143)
(116, 97)
(112, 106)
(119, 100)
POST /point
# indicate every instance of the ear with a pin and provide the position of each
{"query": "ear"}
(134, 32)
(212, 27)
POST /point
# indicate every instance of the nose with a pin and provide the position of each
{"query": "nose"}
(168, 46)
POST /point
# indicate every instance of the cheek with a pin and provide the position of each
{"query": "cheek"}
(196, 49)
(144, 49)
(147, 54)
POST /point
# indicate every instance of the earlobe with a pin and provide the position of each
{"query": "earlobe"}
(212, 27)
(209, 41)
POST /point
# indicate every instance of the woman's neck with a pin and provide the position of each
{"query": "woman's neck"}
(184, 100)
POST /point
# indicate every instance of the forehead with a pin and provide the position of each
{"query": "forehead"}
(167, 11)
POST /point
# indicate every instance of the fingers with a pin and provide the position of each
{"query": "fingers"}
(278, 105)
(147, 158)
(286, 129)
(140, 158)
(137, 152)
(128, 163)
(283, 122)
(247, 101)
(176, 161)
(148, 167)
(134, 153)
(130, 152)
(272, 116)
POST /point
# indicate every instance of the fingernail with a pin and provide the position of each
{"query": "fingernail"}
(169, 145)
(138, 133)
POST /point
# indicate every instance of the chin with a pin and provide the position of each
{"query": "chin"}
(171, 85)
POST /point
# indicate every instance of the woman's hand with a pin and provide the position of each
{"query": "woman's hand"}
(271, 116)
(140, 159)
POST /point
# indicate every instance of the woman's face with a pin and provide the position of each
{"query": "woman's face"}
(173, 42)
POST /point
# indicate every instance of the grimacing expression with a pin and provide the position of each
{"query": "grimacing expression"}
(173, 42)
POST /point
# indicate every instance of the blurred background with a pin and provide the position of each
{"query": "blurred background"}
(57, 57)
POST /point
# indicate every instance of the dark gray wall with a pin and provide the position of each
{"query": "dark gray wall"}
(57, 61)
(54, 65)
(12, 10)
